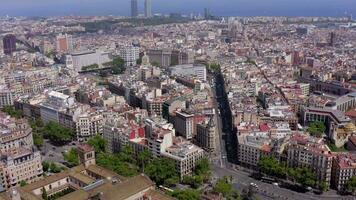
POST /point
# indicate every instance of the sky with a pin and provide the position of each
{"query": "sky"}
(217, 7)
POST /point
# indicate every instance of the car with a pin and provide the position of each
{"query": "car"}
(50, 155)
(275, 184)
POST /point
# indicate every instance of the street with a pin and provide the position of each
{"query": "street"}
(242, 180)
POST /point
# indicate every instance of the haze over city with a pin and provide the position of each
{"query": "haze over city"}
(217, 7)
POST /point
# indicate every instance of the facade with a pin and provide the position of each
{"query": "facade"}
(251, 148)
(64, 43)
(18, 161)
(134, 8)
(344, 167)
(166, 58)
(198, 71)
(184, 124)
(9, 44)
(88, 125)
(130, 54)
(185, 155)
(14, 134)
(148, 8)
(333, 120)
(83, 59)
(343, 103)
(305, 151)
(206, 135)
(20, 165)
(5, 96)
(87, 181)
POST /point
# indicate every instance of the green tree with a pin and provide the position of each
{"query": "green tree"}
(45, 166)
(139, 61)
(316, 128)
(117, 164)
(58, 134)
(23, 183)
(187, 194)
(44, 194)
(37, 140)
(127, 154)
(72, 157)
(270, 166)
(118, 66)
(202, 168)
(323, 186)
(98, 143)
(144, 157)
(305, 177)
(161, 169)
(54, 168)
(223, 186)
(10, 110)
(351, 185)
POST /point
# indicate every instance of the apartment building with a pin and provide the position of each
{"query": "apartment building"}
(206, 135)
(184, 124)
(14, 133)
(20, 164)
(344, 167)
(185, 155)
(88, 124)
(333, 120)
(251, 148)
(307, 151)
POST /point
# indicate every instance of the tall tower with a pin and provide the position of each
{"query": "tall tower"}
(148, 8)
(134, 8)
(9, 42)
(86, 155)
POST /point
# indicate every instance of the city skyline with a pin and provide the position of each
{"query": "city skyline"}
(220, 8)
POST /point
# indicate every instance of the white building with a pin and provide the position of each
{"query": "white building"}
(80, 60)
(184, 124)
(130, 54)
(191, 70)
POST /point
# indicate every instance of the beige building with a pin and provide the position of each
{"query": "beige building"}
(251, 148)
(306, 151)
(15, 133)
(88, 125)
(206, 135)
(344, 167)
(88, 181)
(185, 155)
(184, 124)
(20, 165)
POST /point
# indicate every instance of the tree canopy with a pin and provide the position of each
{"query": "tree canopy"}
(270, 166)
(72, 157)
(10, 110)
(351, 184)
(98, 143)
(161, 170)
(118, 66)
(58, 134)
(116, 163)
(187, 194)
(316, 128)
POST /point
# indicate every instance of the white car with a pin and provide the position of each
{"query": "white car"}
(275, 184)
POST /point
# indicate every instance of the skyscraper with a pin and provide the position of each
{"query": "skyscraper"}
(148, 8)
(9, 42)
(134, 8)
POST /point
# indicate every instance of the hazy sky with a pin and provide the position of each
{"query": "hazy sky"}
(218, 7)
